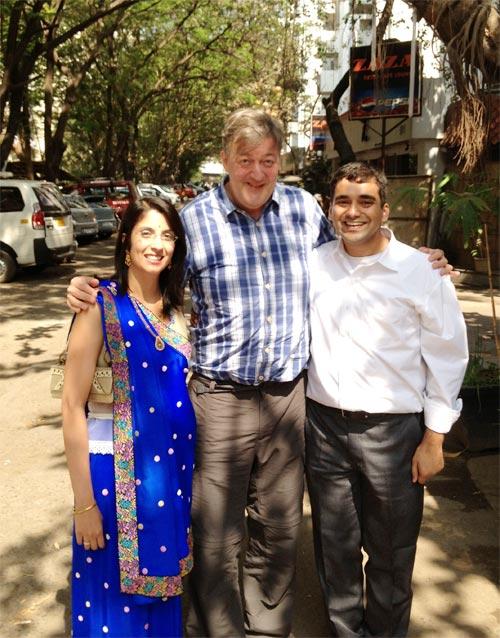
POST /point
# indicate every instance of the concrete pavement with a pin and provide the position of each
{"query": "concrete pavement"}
(456, 571)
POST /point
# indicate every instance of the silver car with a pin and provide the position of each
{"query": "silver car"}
(84, 220)
(105, 215)
(164, 192)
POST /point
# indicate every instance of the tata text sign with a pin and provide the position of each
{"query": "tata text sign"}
(384, 93)
(320, 133)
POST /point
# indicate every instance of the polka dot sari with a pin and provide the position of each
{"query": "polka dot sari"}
(143, 489)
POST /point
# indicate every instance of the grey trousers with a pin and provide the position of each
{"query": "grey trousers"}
(359, 480)
(249, 458)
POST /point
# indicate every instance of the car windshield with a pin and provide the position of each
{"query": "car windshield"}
(95, 199)
(50, 199)
(146, 190)
(119, 193)
(77, 201)
(93, 191)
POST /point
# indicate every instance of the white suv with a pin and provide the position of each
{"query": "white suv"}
(35, 226)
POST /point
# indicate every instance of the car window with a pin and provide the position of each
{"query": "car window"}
(77, 201)
(50, 199)
(10, 199)
(119, 194)
(94, 199)
(92, 191)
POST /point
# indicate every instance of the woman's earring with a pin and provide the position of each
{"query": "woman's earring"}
(128, 260)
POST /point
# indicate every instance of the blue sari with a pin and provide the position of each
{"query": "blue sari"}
(133, 586)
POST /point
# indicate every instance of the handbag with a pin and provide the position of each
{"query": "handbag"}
(102, 383)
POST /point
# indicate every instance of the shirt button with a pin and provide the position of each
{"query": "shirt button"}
(268, 286)
(261, 378)
(267, 350)
(269, 319)
(263, 253)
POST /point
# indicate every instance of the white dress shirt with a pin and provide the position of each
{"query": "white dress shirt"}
(387, 334)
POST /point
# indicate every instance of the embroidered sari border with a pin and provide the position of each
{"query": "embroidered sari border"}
(173, 338)
(131, 580)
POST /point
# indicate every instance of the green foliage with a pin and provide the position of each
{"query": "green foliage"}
(467, 208)
(152, 103)
(481, 373)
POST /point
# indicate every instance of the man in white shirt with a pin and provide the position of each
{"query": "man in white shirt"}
(388, 354)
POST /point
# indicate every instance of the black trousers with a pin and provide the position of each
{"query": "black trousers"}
(358, 469)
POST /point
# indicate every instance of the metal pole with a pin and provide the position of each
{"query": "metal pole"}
(382, 148)
(490, 283)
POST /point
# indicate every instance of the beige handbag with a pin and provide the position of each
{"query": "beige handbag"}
(102, 383)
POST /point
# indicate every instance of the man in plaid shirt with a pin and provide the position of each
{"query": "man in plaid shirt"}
(249, 242)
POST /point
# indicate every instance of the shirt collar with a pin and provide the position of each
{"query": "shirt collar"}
(389, 257)
(228, 207)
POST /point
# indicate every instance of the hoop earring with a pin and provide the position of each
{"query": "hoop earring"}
(128, 260)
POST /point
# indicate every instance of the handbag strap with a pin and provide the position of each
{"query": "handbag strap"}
(103, 360)
(64, 352)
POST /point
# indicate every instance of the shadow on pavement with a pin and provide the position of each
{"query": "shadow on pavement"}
(26, 598)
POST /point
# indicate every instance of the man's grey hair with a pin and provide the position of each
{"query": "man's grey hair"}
(250, 127)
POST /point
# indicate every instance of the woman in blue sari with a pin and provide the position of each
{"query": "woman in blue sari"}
(131, 462)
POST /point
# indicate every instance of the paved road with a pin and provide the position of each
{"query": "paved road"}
(456, 570)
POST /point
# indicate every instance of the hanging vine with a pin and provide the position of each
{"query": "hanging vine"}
(469, 29)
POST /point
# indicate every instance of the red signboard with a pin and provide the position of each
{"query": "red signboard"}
(385, 91)
(319, 133)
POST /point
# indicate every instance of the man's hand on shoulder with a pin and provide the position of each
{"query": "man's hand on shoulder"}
(81, 293)
(438, 260)
(428, 459)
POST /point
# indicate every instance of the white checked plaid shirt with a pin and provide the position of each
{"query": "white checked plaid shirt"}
(250, 284)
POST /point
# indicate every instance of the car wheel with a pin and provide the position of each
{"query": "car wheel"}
(105, 235)
(8, 267)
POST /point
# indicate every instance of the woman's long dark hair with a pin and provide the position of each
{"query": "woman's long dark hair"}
(171, 279)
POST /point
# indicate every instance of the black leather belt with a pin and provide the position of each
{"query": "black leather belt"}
(359, 415)
(214, 385)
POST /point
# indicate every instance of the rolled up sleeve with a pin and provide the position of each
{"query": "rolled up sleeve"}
(445, 352)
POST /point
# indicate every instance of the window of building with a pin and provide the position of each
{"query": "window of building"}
(330, 18)
(331, 61)
(406, 164)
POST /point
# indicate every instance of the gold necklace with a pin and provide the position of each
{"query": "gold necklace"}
(159, 343)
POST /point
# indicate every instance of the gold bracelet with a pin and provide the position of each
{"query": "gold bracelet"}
(84, 509)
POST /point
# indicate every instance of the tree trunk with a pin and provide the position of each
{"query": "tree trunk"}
(13, 123)
(48, 95)
(23, 49)
(26, 138)
(340, 141)
(109, 131)
(447, 17)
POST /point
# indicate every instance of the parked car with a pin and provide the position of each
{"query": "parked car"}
(116, 193)
(184, 191)
(106, 217)
(158, 191)
(175, 199)
(36, 227)
(84, 219)
(197, 188)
